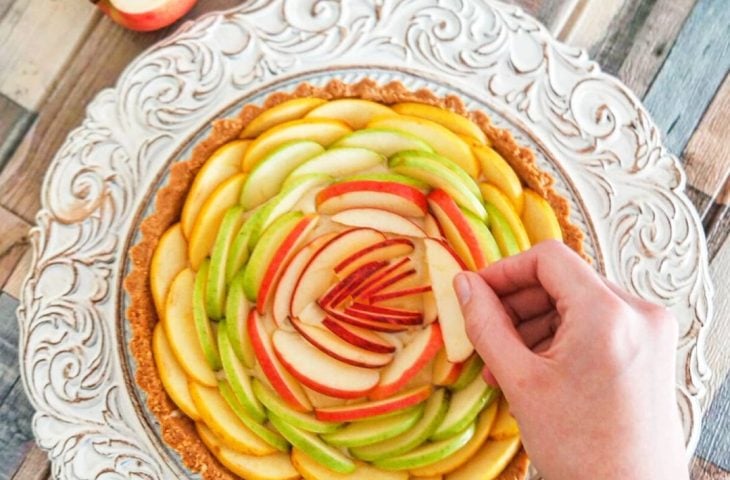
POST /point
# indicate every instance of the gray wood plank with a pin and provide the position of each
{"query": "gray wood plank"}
(14, 124)
(692, 73)
(714, 443)
(35, 465)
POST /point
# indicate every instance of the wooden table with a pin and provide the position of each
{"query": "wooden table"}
(55, 56)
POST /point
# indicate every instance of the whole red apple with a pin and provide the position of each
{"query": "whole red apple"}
(145, 15)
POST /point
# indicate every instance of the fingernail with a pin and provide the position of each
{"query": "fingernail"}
(463, 288)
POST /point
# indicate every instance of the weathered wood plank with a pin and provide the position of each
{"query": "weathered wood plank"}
(692, 73)
(38, 38)
(553, 13)
(704, 470)
(14, 283)
(35, 465)
(14, 123)
(589, 22)
(13, 243)
(714, 445)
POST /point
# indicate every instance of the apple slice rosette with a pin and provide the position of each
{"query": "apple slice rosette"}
(315, 257)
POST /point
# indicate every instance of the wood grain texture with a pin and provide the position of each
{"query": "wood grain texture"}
(35, 465)
(14, 123)
(704, 470)
(692, 73)
(14, 283)
(13, 243)
(38, 38)
(589, 22)
(714, 443)
(553, 13)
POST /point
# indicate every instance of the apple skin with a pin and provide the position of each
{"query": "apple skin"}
(413, 202)
(348, 413)
(367, 432)
(359, 337)
(278, 407)
(165, 14)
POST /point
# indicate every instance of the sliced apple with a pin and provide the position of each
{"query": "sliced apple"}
(360, 337)
(386, 312)
(338, 162)
(310, 443)
(400, 280)
(353, 111)
(359, 411)
(458, 124)
(431, 227)
(386, 141)
(393, 294)
(236, 325)
(459, 458)
(539, 219)
(502, 232)
(343, 289)
(266, 178)
(335, 347)
(440, 172)
(181, 331)
(398, 198)
(494, 196)
(442, 268)
(387, 177)
(498, 172)
(206, 224)
(489, 461)
(319, 371)
(428, 454)
(359, 321)
(471, 370)
(281, 409)
(311, 469)
(319, 272)
(238, 379)
(505, 425)
(286, 111)
(239, 251)
(424, 345)
(169, 259)
(206, 335)
(444, 141)
(221, 166)
(172, 375)
(319, 130)
(445, 373)
(433, 413)
(383, 250)
(215, 292)
(485, 239)
(383, 220)
(464, 407)
(398, 268)
(369, 431)
(284, 384)
(224, 422)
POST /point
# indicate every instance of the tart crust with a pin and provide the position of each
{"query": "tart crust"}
(178, 431)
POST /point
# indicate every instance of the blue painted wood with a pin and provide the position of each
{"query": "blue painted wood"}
(714, 443)
(692, 73)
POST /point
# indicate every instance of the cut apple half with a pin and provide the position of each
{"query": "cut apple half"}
(287, 111)
(359, 337)
(383, 250)
(398, 198)
(383, 220)
(359, 411)
(353, 111)
(321, 372)
(464, 407)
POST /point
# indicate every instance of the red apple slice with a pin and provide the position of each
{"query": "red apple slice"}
(382, 220)
(390, 283)
(318, 275)
(344, 288)
(405, 292)
(445, 373)
(394, 197)
(349, 413)
(430, 310)
(286, 386)
(319, 371)
(312, 315)
(379, 317)
(409, 361)
(394, 268)
(360, 337)
(384, 250)
(431, 227)
(457, 229)
(339, 349)
(368, 324)
(393, 312)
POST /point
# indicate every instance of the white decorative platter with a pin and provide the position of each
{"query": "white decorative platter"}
(587, 129)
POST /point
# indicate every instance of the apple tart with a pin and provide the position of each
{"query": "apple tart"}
(292, 306)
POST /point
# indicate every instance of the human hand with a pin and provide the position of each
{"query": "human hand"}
(588, 369)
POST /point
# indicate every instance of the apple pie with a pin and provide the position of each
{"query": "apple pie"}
(291, 296)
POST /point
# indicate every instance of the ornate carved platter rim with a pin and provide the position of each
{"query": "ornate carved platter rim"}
(647, 235)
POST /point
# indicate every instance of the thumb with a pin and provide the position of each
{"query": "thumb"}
(490, 329)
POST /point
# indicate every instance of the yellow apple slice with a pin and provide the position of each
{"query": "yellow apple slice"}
(498, 172)
(454, 461)
(181, 331)
(489, 461)
(276, 466)
(169, 259)
(353, 111)
(539, 219)
(171, 373)
(284, 112)
(222, 165)
(224, 422)
(208, 221)
(320, 130)
(505, 425)
(453, 121)
(311, 469)
(500, 201)
(443, 140)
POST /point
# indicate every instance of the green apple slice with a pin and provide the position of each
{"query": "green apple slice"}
(464, 407)
(269, 436)
(216, 285)
(281, 409)
(265, 249)
(338, 162)
(428, 454)
(266, 178)
(484, 237)
(385, 141)
(433, 414)
(239, 380)
(469, 372)
(440, 172)
(236, 323)
(206, 335)
(386, 177)
(313, 446)
(374, 430)
(502, 231)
